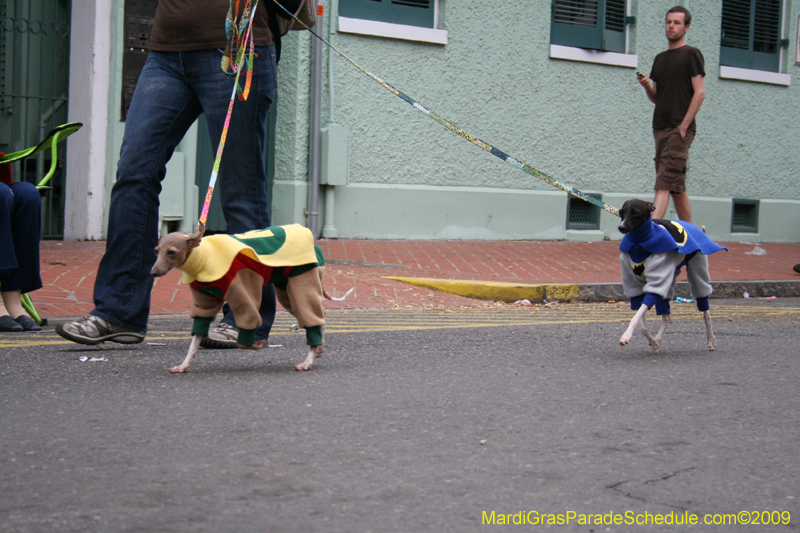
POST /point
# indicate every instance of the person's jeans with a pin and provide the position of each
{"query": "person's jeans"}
(20, 229)
(174, 88)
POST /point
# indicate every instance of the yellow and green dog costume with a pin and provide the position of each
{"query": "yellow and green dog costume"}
(234, 269)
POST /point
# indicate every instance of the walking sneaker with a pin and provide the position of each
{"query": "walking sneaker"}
(94, 330)
(222, 336)
(797, 268)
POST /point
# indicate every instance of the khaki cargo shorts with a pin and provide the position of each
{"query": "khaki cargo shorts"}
(672, 151)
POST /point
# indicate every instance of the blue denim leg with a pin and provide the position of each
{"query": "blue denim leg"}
(20, 229)
(8, 259)
(162, 110)
(242, 178)
(174, 88)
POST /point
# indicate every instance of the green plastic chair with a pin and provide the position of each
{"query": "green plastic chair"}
(55, 136)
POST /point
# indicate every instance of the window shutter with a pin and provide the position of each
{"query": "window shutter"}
(576, 12)
(408, 12)
(736, 24)
(413, 12)
(577, 23)
(751, 34)
(614, 34)
(574, 23)
(767, 27)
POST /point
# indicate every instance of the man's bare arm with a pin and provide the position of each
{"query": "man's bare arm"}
(699, 86)
(644, 81)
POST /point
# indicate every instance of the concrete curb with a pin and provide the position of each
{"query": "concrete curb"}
(602, 292)
(499, 291)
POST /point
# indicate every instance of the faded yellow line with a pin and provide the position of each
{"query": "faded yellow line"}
(362, 321)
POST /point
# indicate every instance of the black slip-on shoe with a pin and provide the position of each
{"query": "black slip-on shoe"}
(9, 325)
(27, 323)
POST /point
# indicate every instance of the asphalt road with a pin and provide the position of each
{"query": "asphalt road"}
(415, 420)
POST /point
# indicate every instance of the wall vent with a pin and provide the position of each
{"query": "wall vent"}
(581, 214)
(744, 216)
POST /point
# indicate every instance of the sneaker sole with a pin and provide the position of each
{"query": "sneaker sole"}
(208, 342)
(128, 337)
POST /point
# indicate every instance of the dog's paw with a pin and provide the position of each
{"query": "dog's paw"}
(625, 339)
(712, 344)
(257, 346)
(656, 346)
(179, 369)
(313, 353)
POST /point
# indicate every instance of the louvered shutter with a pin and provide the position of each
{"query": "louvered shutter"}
(408, 12)
(614, 32)
(575, 23)
(751, 34)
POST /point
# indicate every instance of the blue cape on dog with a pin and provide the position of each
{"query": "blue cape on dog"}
(654, 237)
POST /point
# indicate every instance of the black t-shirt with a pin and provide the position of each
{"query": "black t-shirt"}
(185, 25)
(672, 73)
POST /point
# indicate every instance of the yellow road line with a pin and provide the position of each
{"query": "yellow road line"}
(370, 321)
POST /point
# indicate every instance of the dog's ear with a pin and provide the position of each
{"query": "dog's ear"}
(651, 206)
(194, 240)
(199, 231)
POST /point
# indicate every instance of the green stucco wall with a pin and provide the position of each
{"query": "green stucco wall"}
(585, 124)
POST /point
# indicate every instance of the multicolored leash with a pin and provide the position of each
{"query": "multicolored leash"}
(455, 129)
(240, 36)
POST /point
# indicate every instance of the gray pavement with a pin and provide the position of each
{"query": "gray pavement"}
(415, 420)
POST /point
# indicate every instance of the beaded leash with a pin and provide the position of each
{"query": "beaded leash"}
(239, 33)
(455, 129)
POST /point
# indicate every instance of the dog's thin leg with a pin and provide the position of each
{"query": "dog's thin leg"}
(313, 353)
(654, 344)
(665, 320)
(184, 367)
(626, 337)
(712, 340)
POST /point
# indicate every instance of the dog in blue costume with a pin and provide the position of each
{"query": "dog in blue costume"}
(652, 253)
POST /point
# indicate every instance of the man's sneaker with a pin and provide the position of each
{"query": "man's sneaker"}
(94, 330)
(797, 268)
(222, 336)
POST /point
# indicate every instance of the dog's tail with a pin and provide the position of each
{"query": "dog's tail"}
(343, 298)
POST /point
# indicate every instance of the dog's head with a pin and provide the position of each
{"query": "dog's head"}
(173, 250)
(634, 213)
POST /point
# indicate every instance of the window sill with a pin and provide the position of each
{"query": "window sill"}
(593, 56)
(392, 31)
(760, 76)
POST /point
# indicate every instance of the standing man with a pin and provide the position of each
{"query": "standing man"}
(678, 91)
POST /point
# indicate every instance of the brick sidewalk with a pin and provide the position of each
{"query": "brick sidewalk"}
(69, 270)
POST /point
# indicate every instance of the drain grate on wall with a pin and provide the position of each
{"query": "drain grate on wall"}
(581, 214)
(744, 216)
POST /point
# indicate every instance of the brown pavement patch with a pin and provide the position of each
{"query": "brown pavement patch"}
(69, 270)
